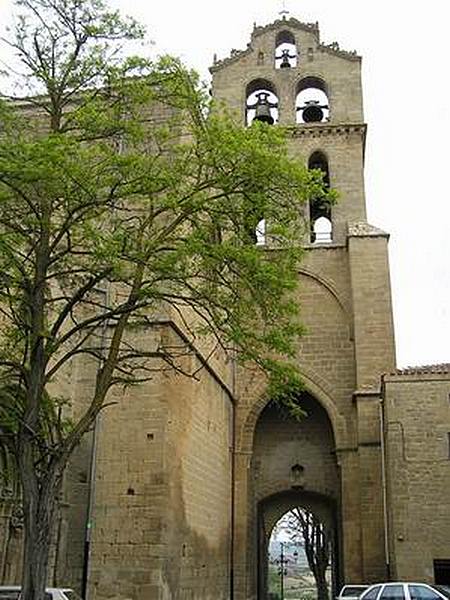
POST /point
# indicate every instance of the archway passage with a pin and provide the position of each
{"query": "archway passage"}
(294, 467)
(301, 552)
(285, 565)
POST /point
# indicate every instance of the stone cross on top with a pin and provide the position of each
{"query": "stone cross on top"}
(284, 11)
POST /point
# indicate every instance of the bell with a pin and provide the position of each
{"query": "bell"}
(263, 114)
(262, 109)
(312, 112)
(285, 64)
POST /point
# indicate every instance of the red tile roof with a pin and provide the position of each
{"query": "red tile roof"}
(424, 370)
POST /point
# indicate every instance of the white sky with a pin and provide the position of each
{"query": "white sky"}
(406, 81)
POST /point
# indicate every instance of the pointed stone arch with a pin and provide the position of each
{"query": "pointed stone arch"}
(283, 502)
(316, 386)
(273, 507)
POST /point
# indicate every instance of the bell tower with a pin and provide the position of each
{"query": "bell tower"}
(288, 78)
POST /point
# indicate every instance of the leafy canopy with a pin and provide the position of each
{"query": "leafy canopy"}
(126, 200)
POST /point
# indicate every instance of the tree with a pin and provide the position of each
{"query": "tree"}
(122, 194)
(303, 525)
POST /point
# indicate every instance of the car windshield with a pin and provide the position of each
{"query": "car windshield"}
(444, 589)
(371, 593)
(71, 595)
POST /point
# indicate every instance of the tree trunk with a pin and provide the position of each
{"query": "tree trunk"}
(317, 548)
(39, 501)
(322, 587)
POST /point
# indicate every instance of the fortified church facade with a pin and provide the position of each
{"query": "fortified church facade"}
(176, 492)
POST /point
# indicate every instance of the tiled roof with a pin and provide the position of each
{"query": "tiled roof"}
(364, 229)
(424, 370)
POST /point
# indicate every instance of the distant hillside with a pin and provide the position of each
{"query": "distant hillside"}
(289, 548)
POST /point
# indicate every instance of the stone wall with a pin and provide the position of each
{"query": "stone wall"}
(198, 462)
(336, 285)
(417, 428)
(163, 490)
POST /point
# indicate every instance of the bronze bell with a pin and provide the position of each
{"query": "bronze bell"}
(312, 112)
(285, 56)
(262, 109)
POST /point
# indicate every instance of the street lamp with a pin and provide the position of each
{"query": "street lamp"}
(282, 561)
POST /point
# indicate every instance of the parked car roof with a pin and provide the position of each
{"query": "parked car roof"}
(407, 594)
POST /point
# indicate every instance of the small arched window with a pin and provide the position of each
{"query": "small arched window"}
(260, 233)
(261, 102)
(322, 231)
(321, 227)
(312, 103)
(319, 161)
(255, 229)
(285, 51)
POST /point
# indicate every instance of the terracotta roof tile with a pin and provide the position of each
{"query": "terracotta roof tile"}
(423, 370)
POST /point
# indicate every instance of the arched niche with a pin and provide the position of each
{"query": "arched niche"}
(294, 454)
(261, 102)
(286, 53)
(311, 101)
(321, 226)
(315, 384)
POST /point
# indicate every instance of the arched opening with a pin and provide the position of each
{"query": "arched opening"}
(260, 233)
(312, 104)
(322, 230)
(261, 102)
(294, 467)
(255, 228)
(321, 227)
(300, 552)
(286, 54)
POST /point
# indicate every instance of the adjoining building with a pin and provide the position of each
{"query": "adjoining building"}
(416, 424)
(175, 493)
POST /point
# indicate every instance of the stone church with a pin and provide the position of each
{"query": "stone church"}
(176, 492)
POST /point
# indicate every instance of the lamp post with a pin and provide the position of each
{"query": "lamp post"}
(281, 571)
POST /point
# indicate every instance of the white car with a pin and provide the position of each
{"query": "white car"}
(351, 591)
(12, 592)
(400, 590)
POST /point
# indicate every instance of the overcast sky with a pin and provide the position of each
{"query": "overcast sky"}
(406, 82)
